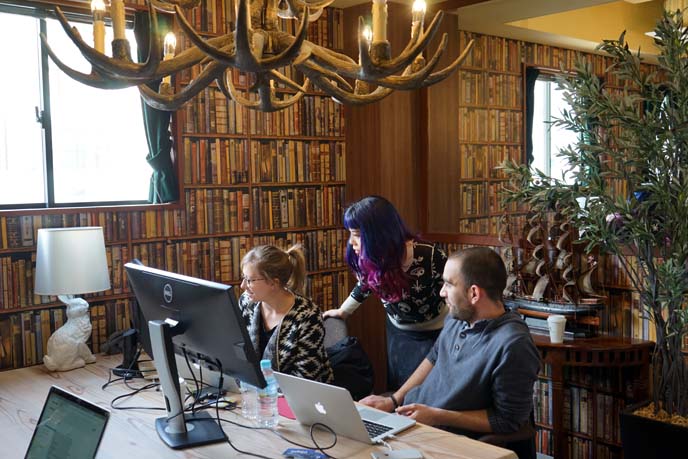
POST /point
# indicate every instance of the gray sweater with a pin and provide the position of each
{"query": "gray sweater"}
(492, 365)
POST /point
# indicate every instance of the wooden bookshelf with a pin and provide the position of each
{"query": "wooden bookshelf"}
(582, 387)
(246, 178)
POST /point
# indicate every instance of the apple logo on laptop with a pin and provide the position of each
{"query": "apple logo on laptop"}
(320, 408)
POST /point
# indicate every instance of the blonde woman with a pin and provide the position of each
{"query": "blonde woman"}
(285, 327)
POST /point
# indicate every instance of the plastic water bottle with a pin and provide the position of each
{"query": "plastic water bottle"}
(249, 400)
(267, 398)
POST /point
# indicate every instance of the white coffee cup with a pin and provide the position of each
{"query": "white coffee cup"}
(556, 324)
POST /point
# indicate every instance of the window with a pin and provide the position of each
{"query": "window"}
(90, 146)
(548, 139)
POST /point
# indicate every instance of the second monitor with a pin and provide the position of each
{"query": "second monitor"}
(196, 318)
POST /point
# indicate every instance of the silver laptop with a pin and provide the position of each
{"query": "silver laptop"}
(69, 427)
(333, 406)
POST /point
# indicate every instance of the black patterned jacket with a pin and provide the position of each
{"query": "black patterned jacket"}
(296, 346)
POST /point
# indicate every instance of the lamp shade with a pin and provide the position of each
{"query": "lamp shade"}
(71, 261)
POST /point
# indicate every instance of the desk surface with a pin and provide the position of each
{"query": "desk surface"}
(131, 434)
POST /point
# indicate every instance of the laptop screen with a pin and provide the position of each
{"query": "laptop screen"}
(69, 427)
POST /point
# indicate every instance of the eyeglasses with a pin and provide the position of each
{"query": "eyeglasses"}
(249, 281)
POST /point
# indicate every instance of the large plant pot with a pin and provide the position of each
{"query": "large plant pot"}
(645, 438)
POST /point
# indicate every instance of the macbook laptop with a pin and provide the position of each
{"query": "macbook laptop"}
(69, 427)
(333, 406)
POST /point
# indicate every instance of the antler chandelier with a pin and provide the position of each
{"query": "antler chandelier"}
(258, 46)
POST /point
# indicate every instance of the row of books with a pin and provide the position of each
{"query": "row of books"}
(24, 336)
(328, 290)
(626, 316)
(148, 224)
(492, 53)
(611, 271)
(297, 207)
(479, 225)
(21, 231)
(481, 161)
(582, 448)
(219, 259)
(603, 379)
(215, 161)
(216, 259)
(472, 199)
(216, 211)
(490, 89)
(313, 115)
(17, 274)
(324, 249)
(542, 402)
(489, 125)
(210, 112)
(544, 442)
(297, 161)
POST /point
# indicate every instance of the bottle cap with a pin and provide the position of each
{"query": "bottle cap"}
(265, 363)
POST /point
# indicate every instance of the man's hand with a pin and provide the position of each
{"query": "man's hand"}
(338, 313)
(379, 402)
(421, 413)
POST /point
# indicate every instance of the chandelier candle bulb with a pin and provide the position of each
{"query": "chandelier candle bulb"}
(98, 10)
(379, 21)
(168, 53)
(417, 18)
(118, 21)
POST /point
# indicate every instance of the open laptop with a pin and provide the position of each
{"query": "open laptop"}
(333, 406)
(69, 427)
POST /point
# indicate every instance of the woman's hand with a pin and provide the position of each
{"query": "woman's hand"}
(338, 313)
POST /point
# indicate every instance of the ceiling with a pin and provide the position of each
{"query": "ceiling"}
(576, 24)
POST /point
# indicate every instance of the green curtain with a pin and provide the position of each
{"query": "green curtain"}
(163, 184)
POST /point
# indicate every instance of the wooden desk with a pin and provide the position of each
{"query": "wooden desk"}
(131, 434)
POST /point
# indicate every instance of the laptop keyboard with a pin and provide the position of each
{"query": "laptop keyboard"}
(375, 429)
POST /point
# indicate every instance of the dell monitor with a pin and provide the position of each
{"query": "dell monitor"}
(199, 319)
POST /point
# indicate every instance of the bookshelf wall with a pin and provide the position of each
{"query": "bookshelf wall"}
(246, 178)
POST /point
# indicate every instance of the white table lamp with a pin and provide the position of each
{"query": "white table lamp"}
(71, 261)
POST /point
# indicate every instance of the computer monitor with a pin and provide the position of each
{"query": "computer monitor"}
(203, 320)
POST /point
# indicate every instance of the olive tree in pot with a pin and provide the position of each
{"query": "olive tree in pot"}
(639, 137)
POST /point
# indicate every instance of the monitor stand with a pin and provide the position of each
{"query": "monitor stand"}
(178, 429)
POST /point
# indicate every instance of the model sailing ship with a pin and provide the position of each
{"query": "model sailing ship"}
(545, 276)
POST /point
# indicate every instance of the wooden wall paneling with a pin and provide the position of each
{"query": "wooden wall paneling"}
(383, 160)
(441, 208)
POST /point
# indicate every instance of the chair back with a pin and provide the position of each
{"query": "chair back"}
(335, 331)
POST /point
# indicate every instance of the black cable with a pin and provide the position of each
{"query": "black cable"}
(329, 429)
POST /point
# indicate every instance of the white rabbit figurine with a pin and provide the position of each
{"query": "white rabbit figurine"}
(67, 347)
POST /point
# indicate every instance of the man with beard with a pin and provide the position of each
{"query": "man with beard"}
(478, 378)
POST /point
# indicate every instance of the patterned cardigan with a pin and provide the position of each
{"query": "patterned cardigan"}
(296, 346)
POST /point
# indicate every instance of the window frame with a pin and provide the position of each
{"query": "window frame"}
(549, 74)
(40, 11)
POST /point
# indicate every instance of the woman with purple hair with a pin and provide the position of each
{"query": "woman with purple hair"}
(404, 272)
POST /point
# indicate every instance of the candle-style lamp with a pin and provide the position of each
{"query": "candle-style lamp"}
(120, 45)
(169, 46)
(361, 87)
(417, 19)
(98, 10)
(380, 50)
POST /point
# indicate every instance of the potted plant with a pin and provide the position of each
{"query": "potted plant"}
(633, 139)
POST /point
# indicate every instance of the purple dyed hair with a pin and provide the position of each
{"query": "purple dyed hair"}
(383, 246)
